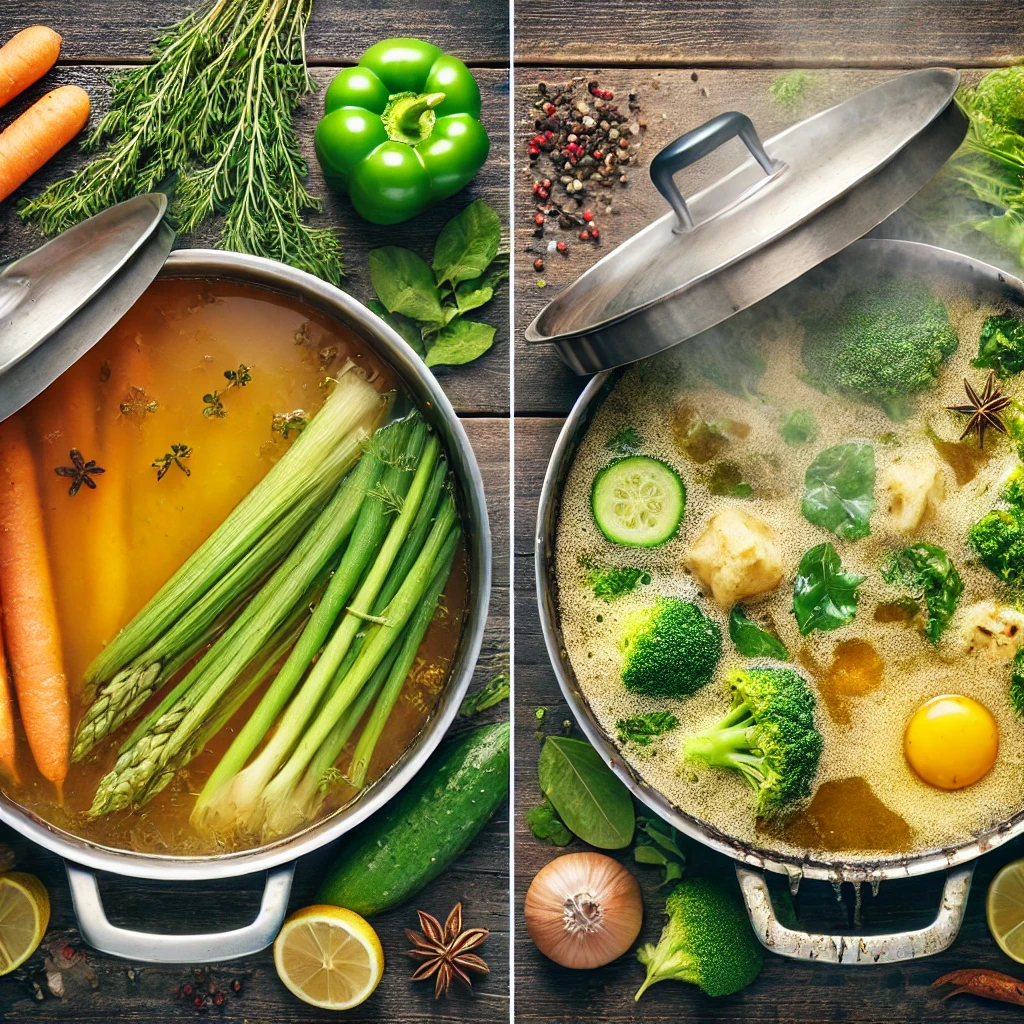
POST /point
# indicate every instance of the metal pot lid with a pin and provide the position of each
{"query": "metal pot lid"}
(800, 198)
(57, 302)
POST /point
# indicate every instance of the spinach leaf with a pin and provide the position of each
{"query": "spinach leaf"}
(642, 729)
(657, 843)
(460, 342)
(1001, 345)
(590, 800)
(405, 328)
(545, 824)
(467, 244)
(751, 640)
(839, 490)
(480, 290)
(824, 597)
(727, 480)
(929, 575)
(405, 284)
(799, 427)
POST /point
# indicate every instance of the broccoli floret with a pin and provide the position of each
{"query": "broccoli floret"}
(707, 940)
(769, 736)
(998, 540)
(999, 96)
(883, 344)
(1001, 346)
(1013, 489)
(670, 649)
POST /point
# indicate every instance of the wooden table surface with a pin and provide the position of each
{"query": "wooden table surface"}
(98, 36)
(700, 60)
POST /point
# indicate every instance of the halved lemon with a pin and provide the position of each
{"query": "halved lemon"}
(329, 957)
(1004, 909)
(24, 915)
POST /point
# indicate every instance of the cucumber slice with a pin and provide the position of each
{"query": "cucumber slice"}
(638, 501)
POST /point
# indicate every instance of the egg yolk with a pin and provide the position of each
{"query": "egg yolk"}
(951, 741)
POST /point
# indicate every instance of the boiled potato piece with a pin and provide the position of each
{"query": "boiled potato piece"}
(991, 629)
(736, 556)
(914, 487)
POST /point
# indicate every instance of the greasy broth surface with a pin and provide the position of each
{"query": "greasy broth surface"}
(864, 739)
(111, 548)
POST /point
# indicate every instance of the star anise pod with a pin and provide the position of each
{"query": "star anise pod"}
(983, 409)
(80, 471)
(446, 951)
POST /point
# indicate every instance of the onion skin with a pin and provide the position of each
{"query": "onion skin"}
(583, 910)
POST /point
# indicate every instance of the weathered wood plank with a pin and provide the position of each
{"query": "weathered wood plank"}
(796, 993)
(672, 102)
(910, 33)
(478, 389)
(97, 30)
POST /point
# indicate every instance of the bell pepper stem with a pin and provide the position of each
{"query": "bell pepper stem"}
(409, 116)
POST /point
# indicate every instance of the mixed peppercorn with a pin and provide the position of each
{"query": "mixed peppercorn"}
(205, 992)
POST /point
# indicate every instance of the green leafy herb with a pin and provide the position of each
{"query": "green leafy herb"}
(406, 329)
(839, 490)
(591, 801)
(175, 457)
(657, 843)
(1017, 683)
(609, 582)
(751, 640)
(286, 423)
(799, 427)
(642, 729)
(1001, 346)
(467, 245)
(544, 823)
(824, 596)
(928, 575)
(214, 401)
(212, 112)
(788, 89)
(480, 290)
(494, 692)
(727, 480)
(405, 284)
(625, 441)
(460, 342)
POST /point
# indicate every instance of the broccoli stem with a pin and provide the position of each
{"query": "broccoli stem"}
(665, 962)
(729, 744)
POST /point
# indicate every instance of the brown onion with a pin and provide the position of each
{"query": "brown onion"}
(583, 910)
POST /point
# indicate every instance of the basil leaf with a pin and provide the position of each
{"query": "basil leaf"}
(839, 490)
(480, 290)
(751, 640)
(467, 244)
(929, 575)
(824, 597)
(590, 800)
(547, 826)
(405, 284)
(460, 342)
(405, 328)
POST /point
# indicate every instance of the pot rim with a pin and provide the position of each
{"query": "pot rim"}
(427, 393)
(980, 274)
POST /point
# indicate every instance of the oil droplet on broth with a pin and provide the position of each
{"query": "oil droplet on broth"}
(855, 671)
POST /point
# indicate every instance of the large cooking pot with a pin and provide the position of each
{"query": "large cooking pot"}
(800, 201)
(84, 858)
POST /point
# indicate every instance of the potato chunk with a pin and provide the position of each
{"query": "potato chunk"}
(914, 488)
(736, 556)
(992, 629)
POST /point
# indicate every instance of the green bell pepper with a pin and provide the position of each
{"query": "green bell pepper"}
(401, 130)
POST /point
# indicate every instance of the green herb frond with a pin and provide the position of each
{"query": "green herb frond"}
(393, 503)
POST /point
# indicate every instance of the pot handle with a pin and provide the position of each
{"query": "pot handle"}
(98, 932)
(856, 949)
(699, 142)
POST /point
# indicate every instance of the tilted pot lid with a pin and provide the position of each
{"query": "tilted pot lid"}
(800, 198)
(57, 302)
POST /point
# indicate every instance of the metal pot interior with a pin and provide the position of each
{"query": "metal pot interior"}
(422, 390)
(906, 256)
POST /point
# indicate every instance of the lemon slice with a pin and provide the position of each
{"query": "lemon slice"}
(24, 915)
(329, 957)
(1004, 909)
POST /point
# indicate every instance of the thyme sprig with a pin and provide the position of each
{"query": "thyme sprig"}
(212, 117)
(213, 401)
(175, 457)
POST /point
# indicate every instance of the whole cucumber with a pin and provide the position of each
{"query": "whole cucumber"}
(420, 833)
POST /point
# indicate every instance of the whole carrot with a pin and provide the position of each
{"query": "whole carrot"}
(25, 58)
(29, 611)
(41, 132)
(7, 757)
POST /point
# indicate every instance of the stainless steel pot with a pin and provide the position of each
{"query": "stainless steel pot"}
(84, 858)
(752, 860)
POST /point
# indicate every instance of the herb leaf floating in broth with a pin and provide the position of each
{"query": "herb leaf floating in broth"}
(883, 343)
(799, 427)
(643, 729)
(928, 575)
(638, 501)
(1017, 683)
(751, 640)
(545, 824)
(609, 582)
(1001, 346)
(625, 441)
(839, 490)
(591, 801)
(824, 597)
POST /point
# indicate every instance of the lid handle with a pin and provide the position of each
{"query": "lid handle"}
(689, 148)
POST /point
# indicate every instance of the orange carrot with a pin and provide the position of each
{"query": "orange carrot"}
(29, 611)
(7, 761)
(42, 131)
(25, 58)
